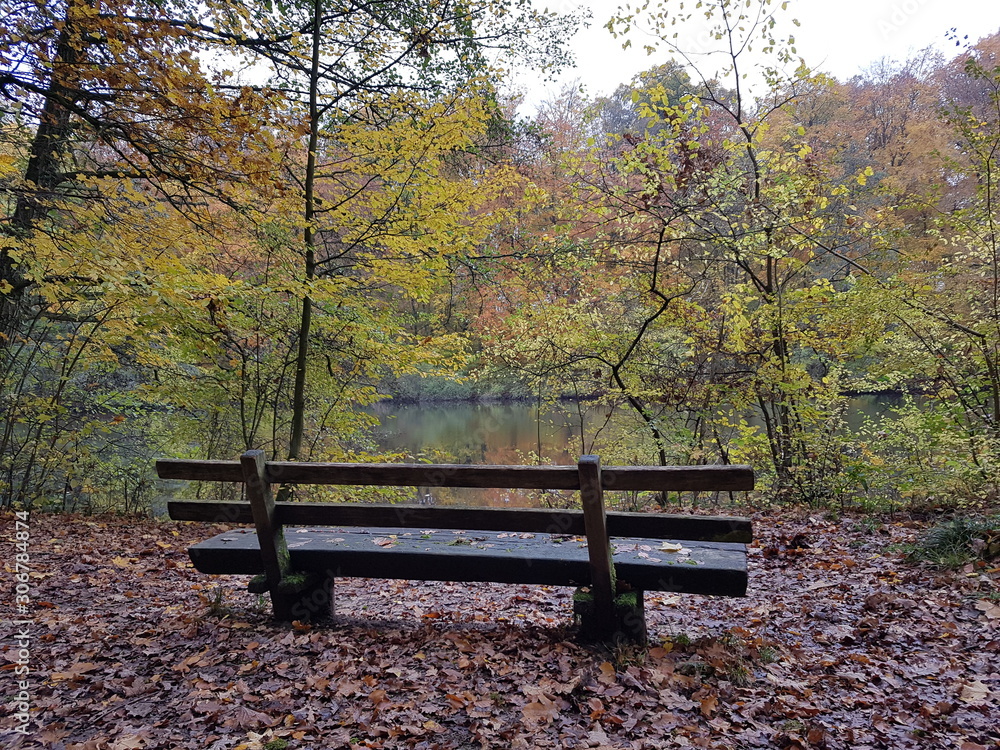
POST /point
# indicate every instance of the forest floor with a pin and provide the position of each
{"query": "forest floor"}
(841, 643)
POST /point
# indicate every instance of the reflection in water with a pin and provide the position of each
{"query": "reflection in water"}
(514, 433)
(489, 433)
(493, 433)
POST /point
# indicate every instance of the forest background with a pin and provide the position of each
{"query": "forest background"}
(236, 225)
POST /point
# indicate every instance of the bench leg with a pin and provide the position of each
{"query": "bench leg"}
(629, 619)
(630, 615)
(310, 599)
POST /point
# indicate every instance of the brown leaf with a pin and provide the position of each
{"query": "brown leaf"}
(541, 711)
(975, 693)
(128, 742)
(990, 609)
(241, 717)
(462, 644)
(596, 708)
(816, 736)
(708, 705)
(608, 675)
(74, 673)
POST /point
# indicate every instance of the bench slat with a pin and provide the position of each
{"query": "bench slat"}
(648, 525)
(732, 478)
(659, 478)
(717, 569)
(199, 471)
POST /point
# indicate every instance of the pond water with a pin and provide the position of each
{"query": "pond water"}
(508, 433)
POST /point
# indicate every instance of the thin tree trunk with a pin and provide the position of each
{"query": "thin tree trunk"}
(309, 241)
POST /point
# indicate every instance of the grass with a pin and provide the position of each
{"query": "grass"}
(959, 541)
(216, 602)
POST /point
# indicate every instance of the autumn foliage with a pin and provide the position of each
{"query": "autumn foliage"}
(232, 227)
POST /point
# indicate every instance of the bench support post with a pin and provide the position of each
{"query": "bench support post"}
(603, 613)
(293, 595)
(602, 570)
(629, 618)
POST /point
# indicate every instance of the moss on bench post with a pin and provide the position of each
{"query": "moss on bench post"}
(629, 618)
(294, 596)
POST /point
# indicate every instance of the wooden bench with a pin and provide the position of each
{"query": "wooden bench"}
(296, 563)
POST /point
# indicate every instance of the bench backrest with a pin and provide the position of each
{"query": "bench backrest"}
(647, 525)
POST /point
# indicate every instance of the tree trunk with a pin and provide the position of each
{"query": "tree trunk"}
(309, 241)
(42, 177)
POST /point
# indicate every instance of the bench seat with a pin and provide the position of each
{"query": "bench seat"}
(716, 568)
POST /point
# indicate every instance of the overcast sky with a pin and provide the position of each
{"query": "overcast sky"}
(840, 37)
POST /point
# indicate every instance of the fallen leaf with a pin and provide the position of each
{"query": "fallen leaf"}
(821, 585)
(708, 705)
(73, 673)
(990, 609)
(128, 742)
(541, 711)
(241, 717)
(608, 675)
(975, 693)
(679, 549)
(816, 736)
(597, 737)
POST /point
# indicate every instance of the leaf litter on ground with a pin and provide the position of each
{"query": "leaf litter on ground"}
(840, 644)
